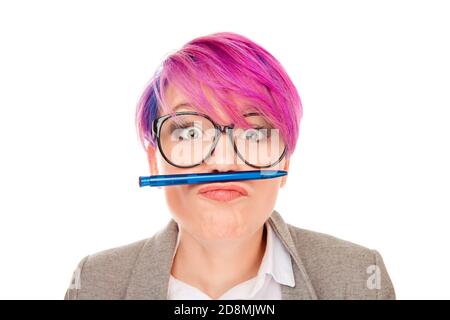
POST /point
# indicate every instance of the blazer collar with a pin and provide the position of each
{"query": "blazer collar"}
(303, 289)
(150, 276)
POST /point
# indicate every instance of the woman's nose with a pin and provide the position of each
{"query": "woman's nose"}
(223, 157)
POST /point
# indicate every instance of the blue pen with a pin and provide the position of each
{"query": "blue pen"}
(193, 178)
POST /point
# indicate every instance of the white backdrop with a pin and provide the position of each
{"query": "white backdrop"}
(372, 164)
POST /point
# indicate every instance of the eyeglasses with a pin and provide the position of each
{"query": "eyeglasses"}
(186, 139)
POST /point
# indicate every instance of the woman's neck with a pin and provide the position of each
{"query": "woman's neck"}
(214, 267)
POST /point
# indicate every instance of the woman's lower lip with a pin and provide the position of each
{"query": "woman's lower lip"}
(222, 195)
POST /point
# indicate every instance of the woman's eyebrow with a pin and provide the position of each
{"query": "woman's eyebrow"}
(183, 105)
(248, 108)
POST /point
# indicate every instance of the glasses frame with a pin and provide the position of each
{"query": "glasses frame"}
(227, 129)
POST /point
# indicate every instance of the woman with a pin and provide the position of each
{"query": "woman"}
(223, 103)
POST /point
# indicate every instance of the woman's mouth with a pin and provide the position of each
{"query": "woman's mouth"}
(222, 192)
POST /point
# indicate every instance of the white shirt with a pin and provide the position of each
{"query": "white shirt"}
(275, 270)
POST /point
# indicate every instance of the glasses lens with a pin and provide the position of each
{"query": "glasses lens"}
(261, 145)
(186, 139)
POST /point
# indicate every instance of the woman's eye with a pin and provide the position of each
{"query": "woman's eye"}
(256, 134)
(188, 133)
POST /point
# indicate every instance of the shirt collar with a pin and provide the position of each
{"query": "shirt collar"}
(276, 260)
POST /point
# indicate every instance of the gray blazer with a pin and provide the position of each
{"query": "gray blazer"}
(324, 267)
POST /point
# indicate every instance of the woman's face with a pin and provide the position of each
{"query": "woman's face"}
(221, 214)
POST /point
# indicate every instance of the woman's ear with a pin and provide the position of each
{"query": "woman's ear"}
(284, 178)
(151, 157)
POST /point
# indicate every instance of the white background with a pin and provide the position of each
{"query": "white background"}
(372, 164)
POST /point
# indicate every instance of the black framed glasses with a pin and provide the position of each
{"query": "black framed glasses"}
(187, 139)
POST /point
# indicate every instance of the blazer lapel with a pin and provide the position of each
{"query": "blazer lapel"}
(150, 276)
(303, 289)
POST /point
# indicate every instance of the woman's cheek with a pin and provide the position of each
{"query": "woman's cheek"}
(175, 198)
(265, 195)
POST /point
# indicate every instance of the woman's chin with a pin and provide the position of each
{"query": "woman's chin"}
(222, 230)
(225, 223)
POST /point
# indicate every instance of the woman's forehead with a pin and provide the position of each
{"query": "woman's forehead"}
(177, 102)
(220, 115)
(189, 106)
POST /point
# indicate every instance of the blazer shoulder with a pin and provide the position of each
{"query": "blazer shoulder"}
(315, 240)
(105, 274)
(340, 269)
